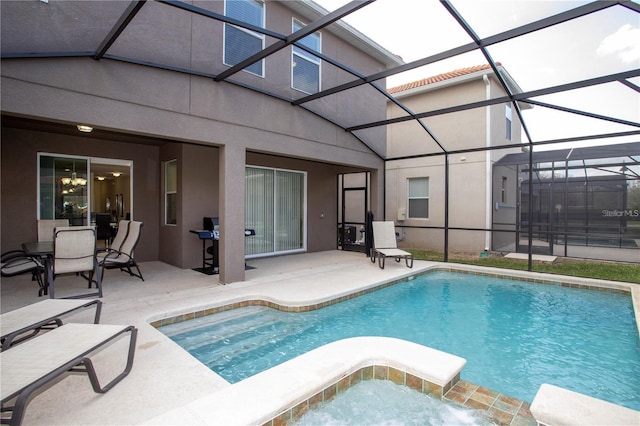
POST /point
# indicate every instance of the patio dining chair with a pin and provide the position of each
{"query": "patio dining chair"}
(385, 245)
(123, 258)
(46, 228)
(74, 251)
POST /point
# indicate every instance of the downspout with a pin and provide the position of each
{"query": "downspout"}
(488, 171)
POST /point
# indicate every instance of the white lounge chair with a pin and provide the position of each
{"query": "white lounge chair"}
(38, 362)
(385, 245)
(23, 323)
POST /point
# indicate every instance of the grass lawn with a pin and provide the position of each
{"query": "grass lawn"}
(579, 268)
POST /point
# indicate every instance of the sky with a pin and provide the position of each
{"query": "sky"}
(599, 44)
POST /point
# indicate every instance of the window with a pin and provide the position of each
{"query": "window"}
(418, 198)
(503, 190)
(508, 121)
(275, 207)
(170, 192)
(239, 43)
(305, 67)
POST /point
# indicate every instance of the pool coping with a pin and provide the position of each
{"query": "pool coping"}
(554, 405)
(168, 318)
(332, 366)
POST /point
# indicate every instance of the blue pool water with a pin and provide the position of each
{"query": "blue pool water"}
(514, 335)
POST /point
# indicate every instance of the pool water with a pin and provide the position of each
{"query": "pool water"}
(514, 335)
(381, 402)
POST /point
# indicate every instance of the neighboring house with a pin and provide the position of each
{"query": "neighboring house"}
(186, 146)
(416, 178)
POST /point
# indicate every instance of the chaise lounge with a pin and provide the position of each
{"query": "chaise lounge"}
(32, 365)
(385, 245)
(21, 324)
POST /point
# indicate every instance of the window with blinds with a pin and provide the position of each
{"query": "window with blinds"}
(275, 205)
(239, 43)
(305, 67)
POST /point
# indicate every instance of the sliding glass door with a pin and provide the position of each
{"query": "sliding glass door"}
(275, 207)
(76, 188)
(63, 189)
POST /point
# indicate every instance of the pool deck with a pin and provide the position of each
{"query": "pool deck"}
(165, 380)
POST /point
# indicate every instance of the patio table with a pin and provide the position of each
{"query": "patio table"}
(38, 248)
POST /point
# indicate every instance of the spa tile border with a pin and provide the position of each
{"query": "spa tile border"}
(380, 372)
(312, 307)
(495, 407)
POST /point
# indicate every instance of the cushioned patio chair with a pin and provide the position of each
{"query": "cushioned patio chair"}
(385, 245)
(123, 258)
(24, 323)
(37, 363)
(17, 262)
(74, 251)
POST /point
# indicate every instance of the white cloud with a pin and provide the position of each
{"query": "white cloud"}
(624, 44)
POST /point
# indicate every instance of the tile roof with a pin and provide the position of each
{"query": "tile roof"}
(440, 77)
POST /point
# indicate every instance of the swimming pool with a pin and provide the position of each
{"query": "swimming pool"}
(514, 335)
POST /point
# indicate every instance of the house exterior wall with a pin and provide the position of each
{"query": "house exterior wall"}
(505, 214)
(19, 160)
(183, 111)
(470, 175)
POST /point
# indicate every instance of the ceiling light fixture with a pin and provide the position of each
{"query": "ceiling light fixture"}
(84, 128)
(116, 174)
(100, 177)
(73, 180)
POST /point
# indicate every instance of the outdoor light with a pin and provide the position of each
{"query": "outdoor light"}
(84, 128)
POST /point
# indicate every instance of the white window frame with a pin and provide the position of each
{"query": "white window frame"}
(89, 160)
(249, 32)
(410, 197)
(168, 192)
(298, 54)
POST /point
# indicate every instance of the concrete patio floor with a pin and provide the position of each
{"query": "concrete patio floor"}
(165, 377)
